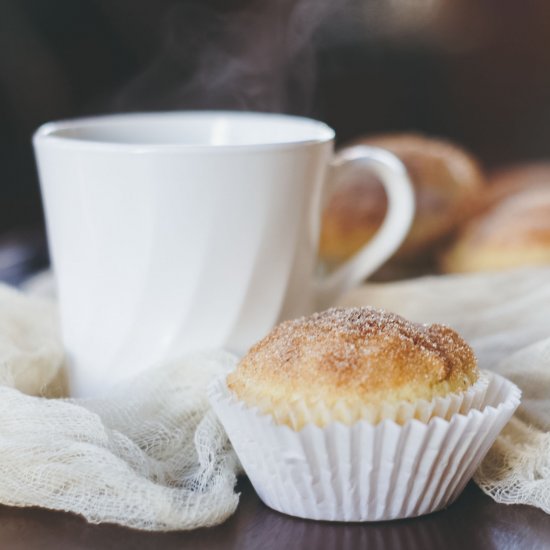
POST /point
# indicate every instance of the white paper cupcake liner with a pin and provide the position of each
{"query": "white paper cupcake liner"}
(297, 414)
(364, 472)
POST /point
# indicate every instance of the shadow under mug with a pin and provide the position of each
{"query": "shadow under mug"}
(173, 232)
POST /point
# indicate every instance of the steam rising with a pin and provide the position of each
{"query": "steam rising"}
(261, 58)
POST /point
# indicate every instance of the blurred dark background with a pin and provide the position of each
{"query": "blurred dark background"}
(476, 71)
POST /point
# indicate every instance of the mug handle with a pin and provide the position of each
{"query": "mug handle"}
(392, 232)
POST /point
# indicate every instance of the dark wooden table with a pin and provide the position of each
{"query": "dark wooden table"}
(474, 522)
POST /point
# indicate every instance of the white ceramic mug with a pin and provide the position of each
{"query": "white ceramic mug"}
(171, 232)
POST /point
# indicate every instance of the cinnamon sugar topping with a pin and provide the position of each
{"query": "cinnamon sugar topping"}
(361, 353)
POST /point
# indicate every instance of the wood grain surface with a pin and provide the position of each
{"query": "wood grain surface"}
(473, 522)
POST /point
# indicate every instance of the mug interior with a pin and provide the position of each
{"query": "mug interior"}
(188, 129)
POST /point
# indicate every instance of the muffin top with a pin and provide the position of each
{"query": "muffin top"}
(360, 355)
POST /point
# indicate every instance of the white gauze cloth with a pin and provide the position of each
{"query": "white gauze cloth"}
(151, 455)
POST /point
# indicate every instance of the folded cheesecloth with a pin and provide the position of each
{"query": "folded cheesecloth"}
(152, 455)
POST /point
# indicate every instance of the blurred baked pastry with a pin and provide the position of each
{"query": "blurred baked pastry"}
(513, 179)
(344, 362)
(513, 232)
(447, 182)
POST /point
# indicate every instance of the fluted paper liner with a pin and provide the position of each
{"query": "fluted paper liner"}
(364, 471)
(297, 414)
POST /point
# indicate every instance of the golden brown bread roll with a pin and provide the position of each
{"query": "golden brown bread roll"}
(447, 182)
(513, 179)
(514, 231)
(341, 360)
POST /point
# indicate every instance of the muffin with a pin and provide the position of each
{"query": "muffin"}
(447, 182)
(347, 364)
(513, 232)
(311, 413)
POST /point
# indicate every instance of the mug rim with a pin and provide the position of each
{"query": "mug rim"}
(51, 132)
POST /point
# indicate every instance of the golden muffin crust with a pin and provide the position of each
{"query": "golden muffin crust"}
(513, 232)
(347, 358)
(447, 182)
